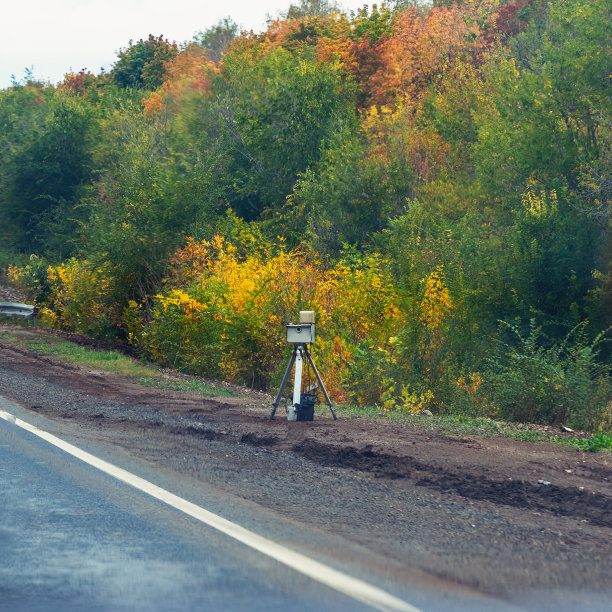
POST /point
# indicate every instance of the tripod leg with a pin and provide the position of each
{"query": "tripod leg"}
(297, 383)
(283, 384)
(314, 367)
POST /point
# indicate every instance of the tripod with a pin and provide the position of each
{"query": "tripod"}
(299, 351)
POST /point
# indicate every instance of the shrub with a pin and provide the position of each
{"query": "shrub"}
(32, 279)
(72, 295)
(563, 383)
(224, 309)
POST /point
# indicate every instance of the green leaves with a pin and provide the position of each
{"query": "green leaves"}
(141, 64)
(48, 173)
(268, 118)
(563, 383)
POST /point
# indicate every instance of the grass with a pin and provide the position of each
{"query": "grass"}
(594, 444)
(479, 426)
(111, 361)
(201, 387)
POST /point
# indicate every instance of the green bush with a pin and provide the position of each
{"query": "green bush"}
(563, 383)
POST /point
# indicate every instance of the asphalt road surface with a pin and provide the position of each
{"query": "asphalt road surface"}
(75, 538)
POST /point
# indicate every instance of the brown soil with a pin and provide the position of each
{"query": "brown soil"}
(557, 499)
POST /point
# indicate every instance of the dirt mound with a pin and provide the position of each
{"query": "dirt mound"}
(381, 465)
(543, 496)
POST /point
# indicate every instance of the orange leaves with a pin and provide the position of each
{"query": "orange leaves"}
(189, 73)
(471, 389)
(153, 104)
(471, 384)
(337, 50)
(422, 47)
(393, 57)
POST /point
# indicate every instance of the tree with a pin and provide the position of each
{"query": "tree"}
(146, 199)
(265, 122)
(141, 64)
(216, 39)
(23, 112)
(311, 8)
(47, 175)
(421, 48)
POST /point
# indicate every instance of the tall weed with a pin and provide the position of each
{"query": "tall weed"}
(528, 381)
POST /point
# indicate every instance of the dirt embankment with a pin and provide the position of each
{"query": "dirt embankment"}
(379, 478)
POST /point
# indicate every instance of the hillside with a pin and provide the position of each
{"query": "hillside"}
(431, 180)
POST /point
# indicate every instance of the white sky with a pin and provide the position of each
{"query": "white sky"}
(53, 37)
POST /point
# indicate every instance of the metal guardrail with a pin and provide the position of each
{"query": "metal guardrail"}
(24, 311)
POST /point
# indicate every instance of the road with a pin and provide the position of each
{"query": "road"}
(73, 537)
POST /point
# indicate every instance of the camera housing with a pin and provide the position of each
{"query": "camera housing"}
(304, 333)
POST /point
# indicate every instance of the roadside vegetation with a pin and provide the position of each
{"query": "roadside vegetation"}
(148, 375)
(433, 180)
(111, 361)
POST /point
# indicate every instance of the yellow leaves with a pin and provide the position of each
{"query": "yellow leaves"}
(408, 401)
(182, 301)
(15, 275)
(48, 317)
(539, 205)
(365, 299)
(436, 302)
(77, 295)
(60, 274)
(237, 301)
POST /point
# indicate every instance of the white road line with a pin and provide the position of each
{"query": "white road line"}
(353, 587)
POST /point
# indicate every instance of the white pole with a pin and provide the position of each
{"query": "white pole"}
(297, 385)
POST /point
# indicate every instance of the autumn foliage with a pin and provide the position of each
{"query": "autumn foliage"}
(431, 180)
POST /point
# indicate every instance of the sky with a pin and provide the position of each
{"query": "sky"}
(53, 37)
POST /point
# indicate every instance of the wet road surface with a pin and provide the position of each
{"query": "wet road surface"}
(72, 538)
